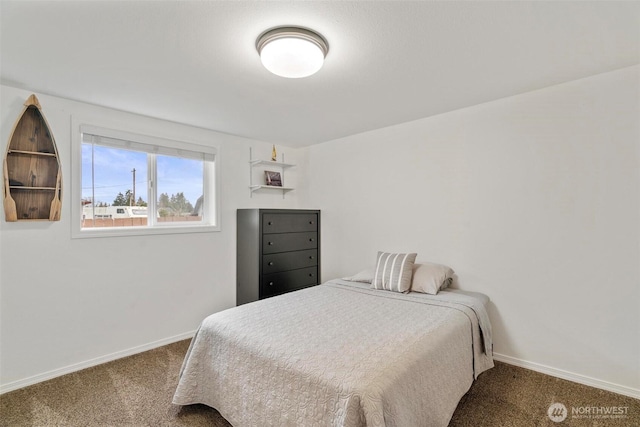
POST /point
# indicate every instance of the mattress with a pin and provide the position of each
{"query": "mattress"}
(339, 354)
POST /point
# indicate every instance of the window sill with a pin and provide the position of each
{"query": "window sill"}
(89, 233)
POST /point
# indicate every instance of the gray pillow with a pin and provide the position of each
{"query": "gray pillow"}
(429, 277)
(393, 272)
(365, 276)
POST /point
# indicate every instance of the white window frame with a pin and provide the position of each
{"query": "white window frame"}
(211, 219)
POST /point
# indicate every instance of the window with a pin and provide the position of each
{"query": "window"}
(135, 184)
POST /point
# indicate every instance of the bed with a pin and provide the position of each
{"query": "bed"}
(339, 354)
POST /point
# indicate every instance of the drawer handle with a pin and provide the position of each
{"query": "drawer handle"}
(270, 283)
(311, 240)
(270, 263)
(269, 223)
(311, 257)
(311, 222)
(310, 274)
(270, 243)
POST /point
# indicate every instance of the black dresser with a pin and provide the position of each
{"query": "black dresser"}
(278, 251)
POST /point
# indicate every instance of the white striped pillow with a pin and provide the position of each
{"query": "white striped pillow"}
(393, 272)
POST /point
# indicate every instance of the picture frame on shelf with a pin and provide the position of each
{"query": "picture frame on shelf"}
(273, 179)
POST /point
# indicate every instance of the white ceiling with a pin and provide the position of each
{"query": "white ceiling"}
(389, 62)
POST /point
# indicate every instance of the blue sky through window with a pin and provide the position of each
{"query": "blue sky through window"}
(113, 168)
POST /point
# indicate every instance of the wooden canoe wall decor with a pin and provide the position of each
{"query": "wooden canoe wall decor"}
(32, 174)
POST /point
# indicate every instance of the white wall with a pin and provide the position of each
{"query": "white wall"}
(68, 303)
(533, 200)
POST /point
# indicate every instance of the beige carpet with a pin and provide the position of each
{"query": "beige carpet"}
(137, 391)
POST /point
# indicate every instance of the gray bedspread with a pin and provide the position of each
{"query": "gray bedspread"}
(338, 354)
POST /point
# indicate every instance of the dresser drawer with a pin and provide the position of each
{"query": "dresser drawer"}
(284, 242)
(278, 283)
(289, 261)
(289, 223)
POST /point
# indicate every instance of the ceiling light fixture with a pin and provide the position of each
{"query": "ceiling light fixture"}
(292, 52)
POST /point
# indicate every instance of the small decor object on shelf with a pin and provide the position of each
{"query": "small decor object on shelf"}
(274, 154)
(273, 178)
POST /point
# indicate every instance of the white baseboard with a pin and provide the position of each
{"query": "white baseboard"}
(570, 376)
(14, 385)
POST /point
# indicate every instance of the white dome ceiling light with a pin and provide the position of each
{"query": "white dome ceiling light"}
(292, 52)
